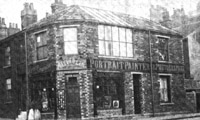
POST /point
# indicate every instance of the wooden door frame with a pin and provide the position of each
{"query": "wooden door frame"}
(137, 73)
(66, 91)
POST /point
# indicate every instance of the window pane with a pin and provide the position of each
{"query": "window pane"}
(70, 34)
(122, 49)
(9, 87)
(107, 33)
(129, 35)
(40, 53)
(101, 47)
(45, 52)
(71, 48)
(122, 34)
(116, 48)
(108, 48)
(8, 81)
(129, 50)
(115, 34)
(101, 32)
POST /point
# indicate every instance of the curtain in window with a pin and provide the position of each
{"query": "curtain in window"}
(163, 89)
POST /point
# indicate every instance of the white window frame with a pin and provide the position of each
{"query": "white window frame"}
(169, 79)
(112, 41)
(168, 38)
(9, 90)
(7, 56)
(76, 41)
(36, 45)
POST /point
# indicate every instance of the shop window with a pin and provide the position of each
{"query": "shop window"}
(108, 92)
(8, 89)
(41, 46)
(44, 94)
(163, 50)
(115, 41)
(7, 56)
(165, 92)
(70, 41)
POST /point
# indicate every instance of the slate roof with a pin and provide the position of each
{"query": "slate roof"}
(188, 28)
(82, 13)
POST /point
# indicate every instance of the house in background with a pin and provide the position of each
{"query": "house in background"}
(87, 63)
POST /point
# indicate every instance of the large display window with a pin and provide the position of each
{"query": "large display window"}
(108, 91)
(43, 92)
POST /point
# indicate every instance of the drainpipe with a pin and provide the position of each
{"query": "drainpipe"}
(27, 79)
(151, 77)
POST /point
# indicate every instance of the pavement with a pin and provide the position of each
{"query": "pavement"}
(173, 117)
(191, 116)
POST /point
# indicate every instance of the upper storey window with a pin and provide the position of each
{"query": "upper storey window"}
(7, 60)
(70, 41)
(41, 45)
(115, 41)
(163, 49)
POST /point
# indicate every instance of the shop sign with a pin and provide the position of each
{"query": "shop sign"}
(71, 63)
(136, 66)
(42, 67)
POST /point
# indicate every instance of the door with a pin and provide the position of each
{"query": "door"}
(198, 101)
(72, 97)
(137, 93)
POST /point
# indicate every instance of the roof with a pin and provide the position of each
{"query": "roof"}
(82, 13)
(186, 29)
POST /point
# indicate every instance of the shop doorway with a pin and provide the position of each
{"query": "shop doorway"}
(137, 93)
(198, 101)
(72, 97)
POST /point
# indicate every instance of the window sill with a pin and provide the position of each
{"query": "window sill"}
(40, 60)
(6, 66)
(8, 102)
(170, 103)
(164, 61)
(102, 56)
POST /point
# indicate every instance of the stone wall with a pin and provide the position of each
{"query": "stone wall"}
(86, 93)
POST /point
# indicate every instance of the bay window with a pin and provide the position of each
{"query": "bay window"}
(70, 41)
(115, 41)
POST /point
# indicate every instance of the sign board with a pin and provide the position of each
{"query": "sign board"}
(136, 66)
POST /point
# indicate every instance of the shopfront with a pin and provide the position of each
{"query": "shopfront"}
(109, 93)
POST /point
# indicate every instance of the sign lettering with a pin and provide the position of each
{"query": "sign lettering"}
(136, 66)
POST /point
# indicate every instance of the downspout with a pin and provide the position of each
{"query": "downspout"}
(151, 77)
(27, 79)
(150, 60)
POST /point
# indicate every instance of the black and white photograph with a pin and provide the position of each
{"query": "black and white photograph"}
(99, 59)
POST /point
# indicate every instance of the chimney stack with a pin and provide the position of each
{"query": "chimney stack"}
(28, 15)
(3, 29)
(57, 6)
(166, 19)
(12, 29)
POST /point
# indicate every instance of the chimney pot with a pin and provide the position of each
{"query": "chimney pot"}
(13, 25)
(56, 1)
(3, 21)
(0, 20)
(31, 6)
(16, 25)
(10, 25)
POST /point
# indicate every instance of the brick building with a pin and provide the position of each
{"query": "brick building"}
(88, 63)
